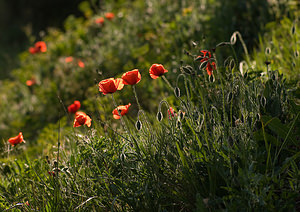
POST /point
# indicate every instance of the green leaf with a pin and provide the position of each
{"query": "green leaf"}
(258, 136)
(183, 160)
(275, 125)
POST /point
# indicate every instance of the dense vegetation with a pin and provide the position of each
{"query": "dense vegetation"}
(231, 143)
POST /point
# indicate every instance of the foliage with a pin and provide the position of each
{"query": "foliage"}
(160, 36)
(280, 47)
(230, 145)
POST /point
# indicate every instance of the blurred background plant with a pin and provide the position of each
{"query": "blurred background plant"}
(32, 19)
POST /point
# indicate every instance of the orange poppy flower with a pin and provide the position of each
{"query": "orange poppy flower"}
(171, 112)
(31, 82)
(157, 70)
(205, 55)
(131, 77)
(110, 85)
(82, 119)
(123, 109)
(80, 64)
(210, 67)
(16, 140)
(74, 107)
(69, 59)
(32, 50)
(109, 16)
(40, 46)
(99, 21)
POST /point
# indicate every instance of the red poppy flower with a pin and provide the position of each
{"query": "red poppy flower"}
(110, 85)
(109, 16)
(16, 140)
(32, 50)
(69, 59)
(82, 119)
(171, 112)
(74, 107)
(205, 55)
(157, 70)
(210, 67)
(40, 46)
(131, 77)
(80, 64)
(31, 82)
(99, 20)
(123, 109)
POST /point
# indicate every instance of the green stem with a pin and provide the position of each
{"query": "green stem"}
(8, 150)
(136, 98)
(140, 109)
(167, 81)
(124, 125)
(266, 144)
(204, 110)
(121, 118)
(285, 140)
(244, 46)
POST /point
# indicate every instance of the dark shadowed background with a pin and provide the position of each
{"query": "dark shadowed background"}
(21, 18)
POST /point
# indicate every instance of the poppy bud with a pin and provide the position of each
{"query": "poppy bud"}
(263, 101)
(138, 125)
(177, 92)
(268, 50)
(159, 116)
(293, 29)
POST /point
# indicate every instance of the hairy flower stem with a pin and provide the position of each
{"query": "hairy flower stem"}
(121, 118)
(167, 81)
(140, 109)
(136, 98)
(244, 46)
(124, 125)
(57, 185)
(8, 150)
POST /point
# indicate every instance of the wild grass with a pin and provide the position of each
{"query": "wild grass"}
(231, 145)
